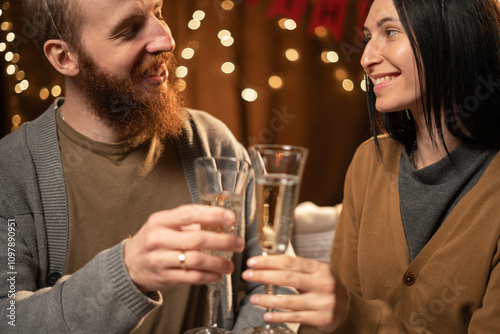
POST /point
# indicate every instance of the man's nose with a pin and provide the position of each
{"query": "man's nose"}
(161, 39)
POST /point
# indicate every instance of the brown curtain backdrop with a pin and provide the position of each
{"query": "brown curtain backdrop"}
(312, 108)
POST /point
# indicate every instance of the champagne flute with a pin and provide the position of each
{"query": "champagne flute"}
(222, 181)
(278, 173)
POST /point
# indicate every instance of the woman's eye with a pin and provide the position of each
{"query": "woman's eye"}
(366, 39)
(391, 33)
(159, 16)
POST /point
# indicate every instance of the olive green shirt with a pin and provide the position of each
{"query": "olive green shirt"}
(109, 200)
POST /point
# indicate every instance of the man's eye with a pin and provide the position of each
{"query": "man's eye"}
(130, 32)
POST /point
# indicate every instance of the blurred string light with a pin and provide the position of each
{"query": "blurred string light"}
(11, 58)
(225, 36)
(328, 56)
(228, 67)
(21, 84)
(249, 95)
(189, 51)
(275, 82)
(363, 85)
(226, 39)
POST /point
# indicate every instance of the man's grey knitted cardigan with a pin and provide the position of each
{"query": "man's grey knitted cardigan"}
(99, 298)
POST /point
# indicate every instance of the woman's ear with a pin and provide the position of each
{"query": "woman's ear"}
(61, 58)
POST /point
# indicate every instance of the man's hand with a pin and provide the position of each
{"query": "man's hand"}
(152, 255)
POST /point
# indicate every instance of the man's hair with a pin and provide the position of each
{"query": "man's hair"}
(53, 19)
(456, 44)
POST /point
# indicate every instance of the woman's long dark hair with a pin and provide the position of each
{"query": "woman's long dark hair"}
(457, 49)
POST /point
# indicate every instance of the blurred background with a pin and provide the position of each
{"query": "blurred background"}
(275, 71)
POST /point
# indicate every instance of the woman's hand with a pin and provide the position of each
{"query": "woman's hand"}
(322, 299)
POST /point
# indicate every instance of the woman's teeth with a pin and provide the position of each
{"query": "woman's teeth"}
(378, 81)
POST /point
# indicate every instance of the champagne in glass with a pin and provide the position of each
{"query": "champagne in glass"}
(226, 200)
(278, 172)
(277, 196)
(222, 182)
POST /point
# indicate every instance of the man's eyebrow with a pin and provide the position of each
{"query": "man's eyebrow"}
(381, 22)
(131, 18)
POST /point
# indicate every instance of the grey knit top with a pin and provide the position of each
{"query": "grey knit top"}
(428, 195)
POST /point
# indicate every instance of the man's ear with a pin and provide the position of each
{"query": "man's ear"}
(61, 58)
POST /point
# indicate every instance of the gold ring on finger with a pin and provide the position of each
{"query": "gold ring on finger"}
(182, 260)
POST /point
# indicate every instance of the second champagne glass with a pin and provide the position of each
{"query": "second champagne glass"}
(221, 181)
(278, 173)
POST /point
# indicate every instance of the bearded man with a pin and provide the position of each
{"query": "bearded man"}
(95, 194)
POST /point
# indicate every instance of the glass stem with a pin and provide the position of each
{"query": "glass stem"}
(270, 290)
(213, 295)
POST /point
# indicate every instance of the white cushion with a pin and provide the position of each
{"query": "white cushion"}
(314, 230)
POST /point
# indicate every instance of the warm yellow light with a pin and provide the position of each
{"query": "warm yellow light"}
(223, 33)
(6, 5)
(193, 45)
(340, 74)
(5, 26)
(227, 41)
(25, 84)
(194, 24)
(275, 82)
(11, 69)
(56, 91)
(324, 57)
(16, 58)
(44, 93)
(10, 37)
(330, 56)
(320, 32)
(348, 85)
(228, 67)
(181, 71)
(199, 15)
(3, 46)
(181, 85)
(227, 5)
(249, 95)
(282, 23)
(14, 128)
(16, 120)
(18, 89)
(1, 12)
(9, 56)
(363, 85)
(20, 75)
(290, 24)
(292, 55)
(187, 53)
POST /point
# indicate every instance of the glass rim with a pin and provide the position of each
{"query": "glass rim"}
(221, 158)
(274, 147)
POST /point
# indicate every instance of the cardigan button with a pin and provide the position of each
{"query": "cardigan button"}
(52, 278)
(409, 279)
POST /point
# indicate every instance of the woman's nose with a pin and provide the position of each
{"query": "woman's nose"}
(371, 55)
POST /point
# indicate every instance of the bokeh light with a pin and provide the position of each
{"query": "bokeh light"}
(249, 95)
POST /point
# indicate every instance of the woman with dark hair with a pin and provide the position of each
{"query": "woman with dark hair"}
(417, 247)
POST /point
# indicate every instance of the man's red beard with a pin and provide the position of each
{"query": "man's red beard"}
(131, 110)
